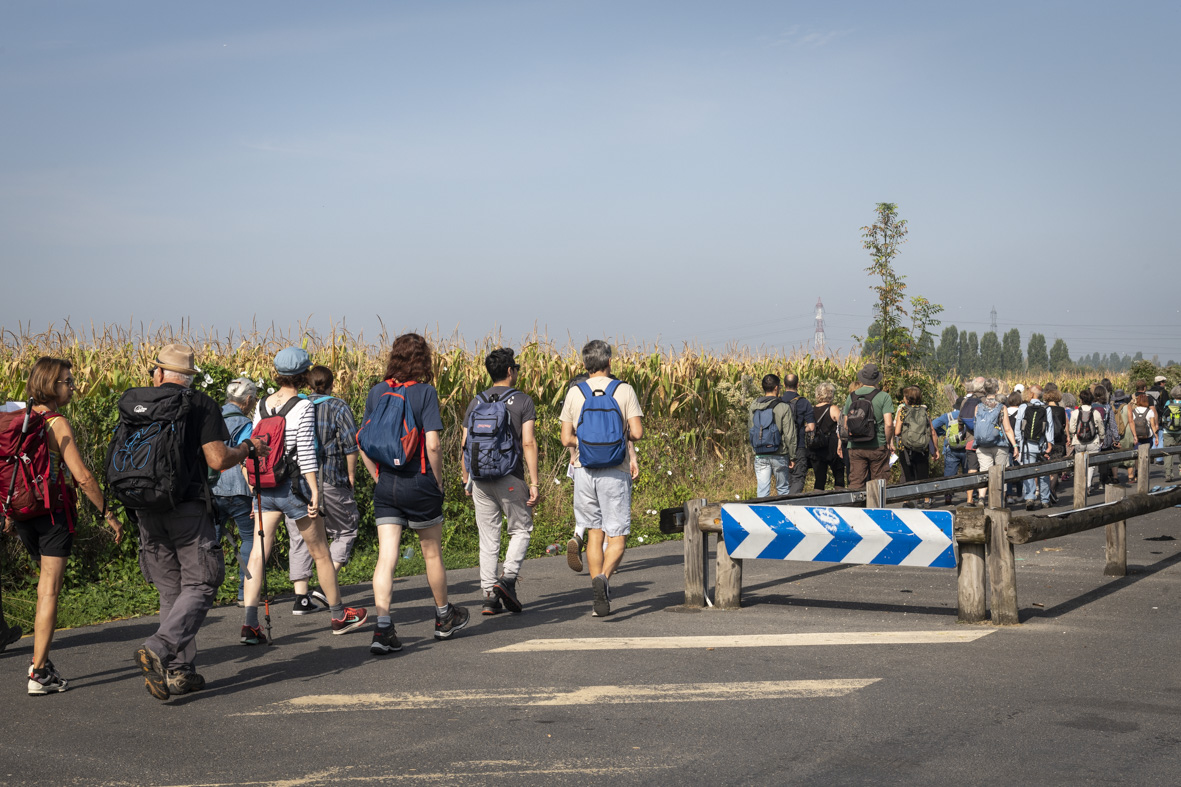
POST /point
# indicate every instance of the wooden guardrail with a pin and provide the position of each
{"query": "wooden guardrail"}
(984, 536)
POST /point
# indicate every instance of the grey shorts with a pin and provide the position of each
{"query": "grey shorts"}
(603, 500)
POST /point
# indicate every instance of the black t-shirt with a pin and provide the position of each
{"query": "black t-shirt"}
(204, 425)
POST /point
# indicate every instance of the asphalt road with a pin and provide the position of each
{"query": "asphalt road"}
(829, 675)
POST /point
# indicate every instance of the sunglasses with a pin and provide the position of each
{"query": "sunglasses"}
(68, 383)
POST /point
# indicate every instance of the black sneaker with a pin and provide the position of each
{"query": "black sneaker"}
(182, 682)
(506, 590)
(1034, 506)
(455, 619)
(574, 554)
(319, 597)
(385, 641)
(9, 636)
(46, 681)
(602, 606)
(304, 606)
(154, 679)
(492, 605)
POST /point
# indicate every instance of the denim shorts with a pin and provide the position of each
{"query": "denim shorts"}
(286, 498)
(407, 499)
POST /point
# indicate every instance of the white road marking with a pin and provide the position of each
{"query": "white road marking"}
(542, 696)
(750, 640)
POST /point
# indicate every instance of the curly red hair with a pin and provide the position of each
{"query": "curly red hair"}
(410, 360)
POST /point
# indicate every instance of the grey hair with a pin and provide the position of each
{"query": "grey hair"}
(991, 386)
(180, 379)
(1036, 390)
(825, 392)
(977, 385)
(1176, 392)
(596, 356)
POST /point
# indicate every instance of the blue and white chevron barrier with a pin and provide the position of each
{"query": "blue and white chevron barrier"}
(882, 536)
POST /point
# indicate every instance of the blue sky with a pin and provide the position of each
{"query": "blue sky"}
(650, 171)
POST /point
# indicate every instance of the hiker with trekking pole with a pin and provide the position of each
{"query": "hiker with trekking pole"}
(167, 439)
(41, 468)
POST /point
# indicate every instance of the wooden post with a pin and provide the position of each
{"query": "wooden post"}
(996, 487)
(1002, 570)
(1117, 537)
(696, 549)
(1143, 463)
(1080, 479)
(728, 585)
(971, 595)
(875, 494)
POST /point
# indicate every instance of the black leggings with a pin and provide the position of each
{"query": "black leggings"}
(916, 465)
(821, 467)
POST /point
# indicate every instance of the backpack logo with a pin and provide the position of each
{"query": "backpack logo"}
(139, 408)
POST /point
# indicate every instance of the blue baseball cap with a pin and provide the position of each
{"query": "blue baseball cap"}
(292, 361)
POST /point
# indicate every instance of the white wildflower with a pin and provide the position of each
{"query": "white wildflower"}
(270, 390)
(670, 472)
(208, 380)
(736, 497)
(640, 539)
(558, 481)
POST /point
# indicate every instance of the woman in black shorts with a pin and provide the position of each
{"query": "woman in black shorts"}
(49, 538)
(411, 495)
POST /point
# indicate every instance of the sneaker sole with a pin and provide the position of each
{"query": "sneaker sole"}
(455, 628)
(154, 680)
(352, 626)
(602, 607)
(574, 555)
(487, 611)
(40, 691)
(383, 650)
(510, 603)
(304, 611)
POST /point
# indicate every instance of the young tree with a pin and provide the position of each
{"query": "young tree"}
(882, 240)
(970, 353)
(1059, 356)
(991, 356)
(1037, 355)
(1011, 359)
(948, 354)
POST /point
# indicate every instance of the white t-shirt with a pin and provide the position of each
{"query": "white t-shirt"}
(300, 431)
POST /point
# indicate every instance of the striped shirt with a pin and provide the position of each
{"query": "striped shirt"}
(300, 432)
(336, 430)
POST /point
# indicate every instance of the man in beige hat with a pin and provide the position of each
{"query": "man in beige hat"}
(179, 551)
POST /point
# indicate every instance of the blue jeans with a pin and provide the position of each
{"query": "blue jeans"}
(954, 462)
(238, 508)
(1031, 454)
(766, 465)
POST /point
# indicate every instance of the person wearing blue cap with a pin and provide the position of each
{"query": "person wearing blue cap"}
(290, 491)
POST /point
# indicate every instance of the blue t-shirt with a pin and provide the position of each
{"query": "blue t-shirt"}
(423, 401)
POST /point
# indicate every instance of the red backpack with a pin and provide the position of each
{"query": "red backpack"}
(26, 488)
(279, 465)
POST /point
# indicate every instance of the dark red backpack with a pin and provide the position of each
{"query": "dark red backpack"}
(280, 464)
(26, 488)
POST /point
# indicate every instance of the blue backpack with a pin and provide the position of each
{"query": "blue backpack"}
(765, 437)
(601, 432)
(390, 436)
(491, 449)
(989, 432)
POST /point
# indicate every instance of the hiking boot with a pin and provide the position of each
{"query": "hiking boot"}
(154, 678)
(602, 605)
(947, 500)
(1034, 506)
(319, 597)
(385, 641)
(9, 636)
(354, 618)
(183, 681)
(574, 553)
(492, 605)
(506, 590)
(252, 635)
(455, 619)
(45, 681)
(304, 606)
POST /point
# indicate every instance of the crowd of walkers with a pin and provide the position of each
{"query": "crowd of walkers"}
(184, 467)
(863, 439)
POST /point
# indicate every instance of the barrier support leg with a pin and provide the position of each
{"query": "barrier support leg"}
(1080, 479)
(1117, 537)
(728, 585)
(970, 597)
(696, 549)
(875, 494)
(1143, 463)
(1002, 569)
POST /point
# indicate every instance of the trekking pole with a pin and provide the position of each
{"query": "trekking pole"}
(266, 595)
(8, 497)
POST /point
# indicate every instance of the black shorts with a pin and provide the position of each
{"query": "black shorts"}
(413, 500)
(46, 535)
(973, 462)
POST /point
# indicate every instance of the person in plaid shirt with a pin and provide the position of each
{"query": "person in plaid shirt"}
(336, 438)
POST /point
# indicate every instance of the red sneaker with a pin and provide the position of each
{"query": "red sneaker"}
(354, 618)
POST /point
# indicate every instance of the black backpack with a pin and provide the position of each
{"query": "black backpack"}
(823, 447)
(1085, 431)
(1033, 425)
(860, 421)
(145, 468)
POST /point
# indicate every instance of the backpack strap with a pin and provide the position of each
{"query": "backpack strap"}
(587, 393)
